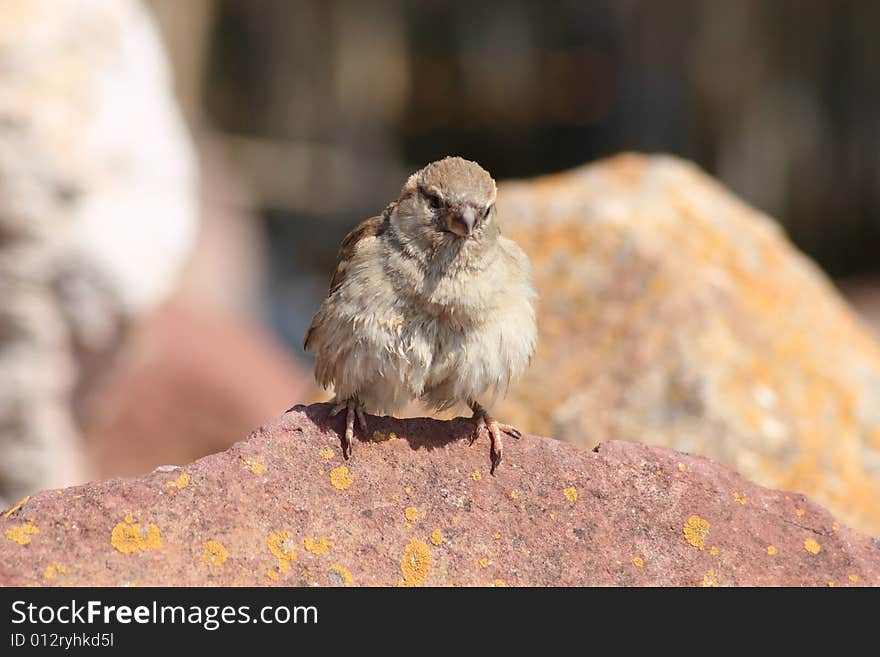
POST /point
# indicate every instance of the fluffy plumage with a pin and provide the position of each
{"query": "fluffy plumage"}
(429, 301)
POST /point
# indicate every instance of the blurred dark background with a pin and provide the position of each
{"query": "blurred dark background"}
(327, 105)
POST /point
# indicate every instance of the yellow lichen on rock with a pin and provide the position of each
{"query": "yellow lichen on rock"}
(53, 570)
(638, 562)
(282, 546)
(739, 498)
(342, 574)
(416, 563)
(476, 475)
(571, 494)
(317, 545)
(254, 465)
(811, 546)
(341, 478)
(215, 553)
(413, 514)
(178, 484)
(710, 579)
(129, 536)
(436, 537)
(326, 453)
(23, 533)
(695, 531)
(771, 550)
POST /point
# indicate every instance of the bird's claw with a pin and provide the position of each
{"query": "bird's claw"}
(485, 423)
(353, 408)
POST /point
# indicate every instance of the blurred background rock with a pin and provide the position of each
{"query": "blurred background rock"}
(169, 300)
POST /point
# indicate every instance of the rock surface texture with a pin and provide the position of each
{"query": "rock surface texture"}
(416, 506)
(674, 314)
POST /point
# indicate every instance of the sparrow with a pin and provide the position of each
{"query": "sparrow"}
(428, 302)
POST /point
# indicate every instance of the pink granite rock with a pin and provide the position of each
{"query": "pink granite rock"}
(417, 506)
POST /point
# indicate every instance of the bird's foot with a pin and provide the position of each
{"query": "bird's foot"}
(354, 407)
(486, 424)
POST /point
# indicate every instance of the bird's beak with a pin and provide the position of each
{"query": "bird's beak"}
(461, 221)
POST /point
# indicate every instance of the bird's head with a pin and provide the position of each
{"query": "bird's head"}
(450, 202)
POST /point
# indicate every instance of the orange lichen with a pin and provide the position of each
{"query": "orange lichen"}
(853, 578)
(695, 531)
(54, 569)
(496, 535)
(514, 495)
(254, 465)
(341, 478)
(836, 527)
(129, 536)
(811, 546)
(638, 562)
(681, 467)
(416, 563)
(799, 513)
(18, 505)
(710, 579)
(498, 583)
(342, 575)
(214, 553)
(571, 494)
(739, 498)
(437, 537)
(318, 545)
(831, 583)
(178, 484)
(282, 546)
(326, 453)
(714, 550)
(484, 562)
(476, 476)
(552, 516)
(22, 534)
(271, 574)
(771, 550)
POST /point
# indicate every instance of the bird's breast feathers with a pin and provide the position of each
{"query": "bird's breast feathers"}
(444, 340)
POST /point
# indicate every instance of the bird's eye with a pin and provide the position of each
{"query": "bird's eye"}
(488, 210)
(433, 201)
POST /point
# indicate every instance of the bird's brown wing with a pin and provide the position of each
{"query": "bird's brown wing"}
(371, 227)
